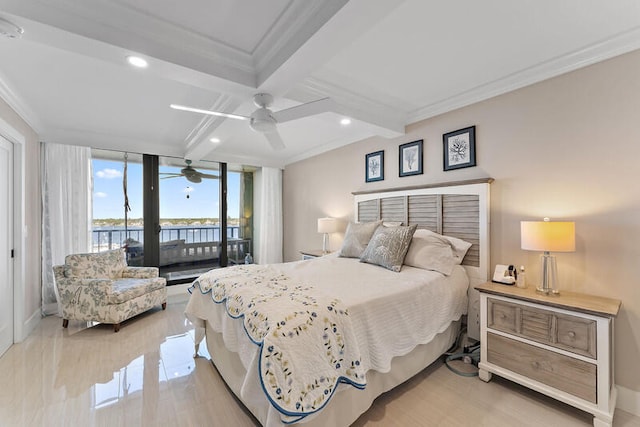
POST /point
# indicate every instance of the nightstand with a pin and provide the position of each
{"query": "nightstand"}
(559, 345)
(314, 253)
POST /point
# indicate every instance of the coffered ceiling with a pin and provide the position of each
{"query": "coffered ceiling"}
(384, 63)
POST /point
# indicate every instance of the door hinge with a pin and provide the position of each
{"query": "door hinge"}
(12, 253)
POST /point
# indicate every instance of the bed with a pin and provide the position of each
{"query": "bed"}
(380, 314)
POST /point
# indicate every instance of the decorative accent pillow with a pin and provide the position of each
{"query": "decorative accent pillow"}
(388, 247)
(460, 247)
(431, 252)
(357, 237)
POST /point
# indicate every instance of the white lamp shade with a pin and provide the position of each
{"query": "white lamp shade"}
(548, 236)
(327, 225)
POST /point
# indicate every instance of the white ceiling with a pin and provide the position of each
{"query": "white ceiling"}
(385, 63)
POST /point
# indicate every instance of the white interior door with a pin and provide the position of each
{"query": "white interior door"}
(6, 244)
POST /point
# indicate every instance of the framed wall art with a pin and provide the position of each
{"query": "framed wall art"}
(374, 166)
(459, 148)
(410, 158)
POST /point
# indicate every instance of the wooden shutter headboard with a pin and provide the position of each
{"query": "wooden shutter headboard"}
(459, 209)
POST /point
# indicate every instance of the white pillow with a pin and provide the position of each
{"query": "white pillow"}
(431, 252)
(460, 247)
(392, 223)
(357, 237)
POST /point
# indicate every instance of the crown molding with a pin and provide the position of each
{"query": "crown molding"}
(174, 35)
(18, 105)
(293, 28)
(609, 48)
(122, 25)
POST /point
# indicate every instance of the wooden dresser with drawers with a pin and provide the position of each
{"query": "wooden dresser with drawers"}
(559, 345)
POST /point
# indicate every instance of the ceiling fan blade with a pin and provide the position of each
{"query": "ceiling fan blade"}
(170, 176)
(304, 110)
(206, 175)
(275, 140)
(209, 112)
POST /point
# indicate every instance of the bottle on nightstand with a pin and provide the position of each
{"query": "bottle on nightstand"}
(521, 281)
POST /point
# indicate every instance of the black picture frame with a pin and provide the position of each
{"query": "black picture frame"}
(459, 148)
(374, 166)
(410, 158)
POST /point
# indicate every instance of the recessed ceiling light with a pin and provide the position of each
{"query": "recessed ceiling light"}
(215, 140)
(346, 121)
(137, 61)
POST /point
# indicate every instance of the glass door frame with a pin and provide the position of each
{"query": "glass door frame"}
(151, 214)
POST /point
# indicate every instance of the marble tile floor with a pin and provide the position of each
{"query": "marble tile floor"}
(145, 375)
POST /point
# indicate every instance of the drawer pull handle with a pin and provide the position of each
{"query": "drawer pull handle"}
(502, 316)
(571, 334)
(535, 365)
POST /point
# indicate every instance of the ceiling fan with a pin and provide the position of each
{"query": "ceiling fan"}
(264, 120)
(188, 172)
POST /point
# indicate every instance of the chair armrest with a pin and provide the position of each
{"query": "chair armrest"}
(140, 272)
(74, 289)
(58, 272)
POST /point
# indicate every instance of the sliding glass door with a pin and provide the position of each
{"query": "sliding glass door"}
(185, 217)
(189, 212)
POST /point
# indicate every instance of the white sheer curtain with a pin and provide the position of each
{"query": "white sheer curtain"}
(269, 242)
(66, 211)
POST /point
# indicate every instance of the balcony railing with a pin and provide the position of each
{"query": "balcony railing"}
(178, 244)
(116, 237)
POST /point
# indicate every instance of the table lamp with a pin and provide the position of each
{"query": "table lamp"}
(326, 226)
(548, 236)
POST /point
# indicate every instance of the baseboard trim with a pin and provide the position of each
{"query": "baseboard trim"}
(628, 400)
(29, 325)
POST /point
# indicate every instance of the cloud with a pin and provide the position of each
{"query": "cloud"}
(109, 173)
(100, 194)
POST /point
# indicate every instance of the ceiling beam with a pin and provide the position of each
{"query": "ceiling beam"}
(198, 144)
(304, 51)
(387, 121)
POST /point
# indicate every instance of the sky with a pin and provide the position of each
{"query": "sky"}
(203, 201)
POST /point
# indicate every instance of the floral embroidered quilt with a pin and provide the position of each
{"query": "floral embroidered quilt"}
(307, 343)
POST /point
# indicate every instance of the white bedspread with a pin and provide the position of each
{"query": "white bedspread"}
(306, 340)
(391, 313)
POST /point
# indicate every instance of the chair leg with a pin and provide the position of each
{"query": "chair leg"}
(164, 305)
(116, 327)
(65, 323)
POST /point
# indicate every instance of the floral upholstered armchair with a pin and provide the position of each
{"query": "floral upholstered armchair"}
(100, 287)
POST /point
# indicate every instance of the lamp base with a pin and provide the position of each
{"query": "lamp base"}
(325, 244)
(549, 275)
(541, 290)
